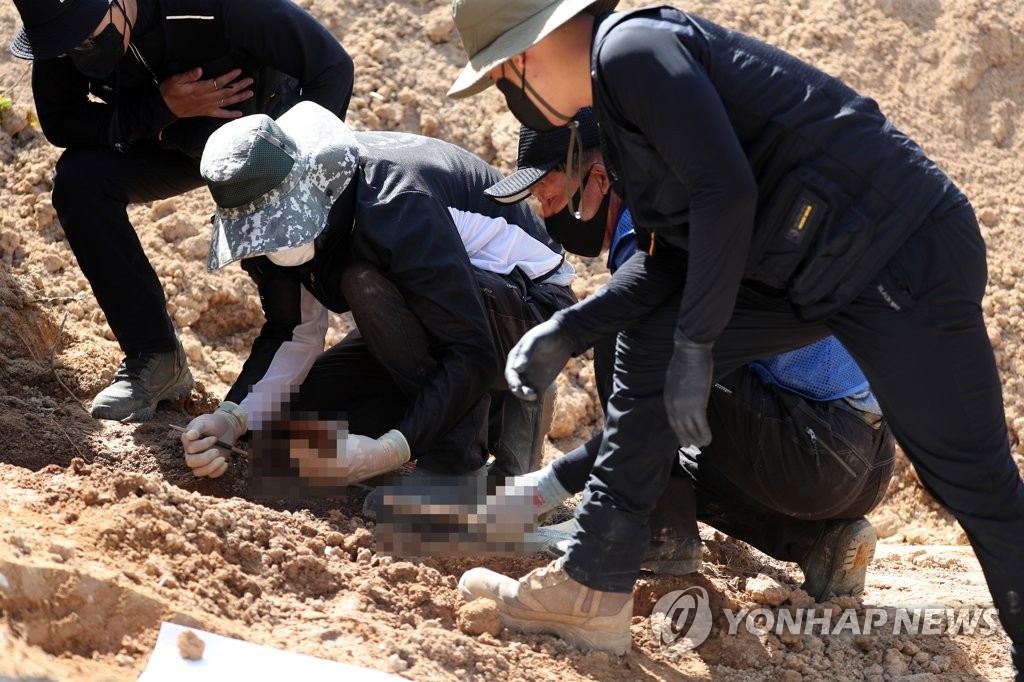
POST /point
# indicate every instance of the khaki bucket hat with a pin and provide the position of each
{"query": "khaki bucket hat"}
(493, 31)
(274, 182)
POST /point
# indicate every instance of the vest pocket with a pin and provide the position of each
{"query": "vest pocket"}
(787, 224)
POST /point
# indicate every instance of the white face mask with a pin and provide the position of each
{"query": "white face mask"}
(297, 255)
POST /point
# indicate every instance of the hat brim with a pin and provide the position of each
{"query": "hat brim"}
(518, 39)
(295, 218)
(329, 158)
(61, 34)
(516, 187)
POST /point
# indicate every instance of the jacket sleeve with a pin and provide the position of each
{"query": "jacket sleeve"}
(433, 273)
(283, 36)
(688, 127)
(69, 118)
(291, 339)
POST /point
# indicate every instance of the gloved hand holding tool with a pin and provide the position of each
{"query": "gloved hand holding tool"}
(205, 436)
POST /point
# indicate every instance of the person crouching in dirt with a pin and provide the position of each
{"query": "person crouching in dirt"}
(800, 451)
(132, 89)
(773, 206)
(396, 228)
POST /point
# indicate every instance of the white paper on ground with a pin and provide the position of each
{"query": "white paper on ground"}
(232, 659)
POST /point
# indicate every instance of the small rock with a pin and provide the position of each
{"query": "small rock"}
(792, 676)
(402, 572)
(894, 663)
(479, 616)
(360, 537)
(800, 599)
(439, 28)
(988, 216)
(190, 646)
(364, 556)
(65, 549)
(396, 663)
(865, 642)
(765, 590)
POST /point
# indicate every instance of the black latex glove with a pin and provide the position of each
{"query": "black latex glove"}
(536, 360)
(687, 387)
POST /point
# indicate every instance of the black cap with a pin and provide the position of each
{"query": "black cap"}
(539, 153)
(54, 27)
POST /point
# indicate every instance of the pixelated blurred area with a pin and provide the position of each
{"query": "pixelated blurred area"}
(432, 516)
(293, 457)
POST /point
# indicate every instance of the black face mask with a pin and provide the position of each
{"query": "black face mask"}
(523, 108)
(582, 237)
(99, 59)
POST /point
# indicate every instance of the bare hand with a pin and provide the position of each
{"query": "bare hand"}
(186, 95)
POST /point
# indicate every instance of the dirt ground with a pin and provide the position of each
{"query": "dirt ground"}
(104, 533)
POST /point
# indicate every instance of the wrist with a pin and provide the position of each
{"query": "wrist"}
(395, 443)
(236, 416)
(681, 339)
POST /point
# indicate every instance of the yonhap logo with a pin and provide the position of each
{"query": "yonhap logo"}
(682, 619)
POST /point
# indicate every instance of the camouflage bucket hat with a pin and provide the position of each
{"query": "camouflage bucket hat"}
(274, 182)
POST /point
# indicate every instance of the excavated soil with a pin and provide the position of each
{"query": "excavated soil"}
(104, 533)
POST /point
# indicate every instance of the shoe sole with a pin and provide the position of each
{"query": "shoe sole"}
(673, 567)
(148, 411)
(617, 645)
(850, 565)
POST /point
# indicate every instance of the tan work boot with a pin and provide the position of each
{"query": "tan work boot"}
(548, 600)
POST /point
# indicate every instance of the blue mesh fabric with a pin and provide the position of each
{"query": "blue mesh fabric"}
(821, 371)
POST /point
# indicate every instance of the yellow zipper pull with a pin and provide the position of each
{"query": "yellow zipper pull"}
(650, 248)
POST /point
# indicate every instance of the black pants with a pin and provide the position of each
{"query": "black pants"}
(92, 187)
(917, 332)
(371, 377)
(778, 469)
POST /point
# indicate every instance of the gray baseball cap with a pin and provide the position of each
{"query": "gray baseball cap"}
(274, 182)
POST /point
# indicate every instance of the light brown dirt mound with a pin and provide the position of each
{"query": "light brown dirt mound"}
(103, 531)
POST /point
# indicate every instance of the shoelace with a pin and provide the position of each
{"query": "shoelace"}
(131, 368)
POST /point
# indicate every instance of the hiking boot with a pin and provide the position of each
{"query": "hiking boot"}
(837, 564)
(676, 556)
(547, 600)
(140, 382)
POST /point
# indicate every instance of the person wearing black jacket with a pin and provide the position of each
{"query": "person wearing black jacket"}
(773, 205)
(441, 282)
(132, 89)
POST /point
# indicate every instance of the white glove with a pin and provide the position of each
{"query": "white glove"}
(356, 459)
(227, 424)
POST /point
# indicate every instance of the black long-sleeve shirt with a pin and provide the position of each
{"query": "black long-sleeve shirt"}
(747, 163)
(416, 211)
(272, 41)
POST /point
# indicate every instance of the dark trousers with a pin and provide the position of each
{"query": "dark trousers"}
(371, 377)
(917, 332)
(778, 469)
(92, 187)
(781, 467)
